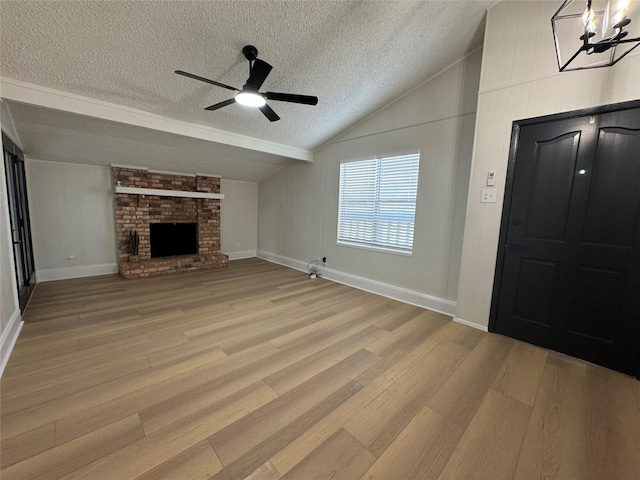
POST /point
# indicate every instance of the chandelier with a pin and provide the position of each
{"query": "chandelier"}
(593, 34)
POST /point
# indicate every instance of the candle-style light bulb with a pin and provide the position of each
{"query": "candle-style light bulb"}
(621, 13)
(587, 19)
(605, 19)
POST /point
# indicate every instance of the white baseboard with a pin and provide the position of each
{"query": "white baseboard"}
(280, 260)
(75, 272)
(484, 328)
(241, 254)
(9, 337)
(412, 297)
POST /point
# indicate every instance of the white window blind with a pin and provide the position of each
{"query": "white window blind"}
(377, 202)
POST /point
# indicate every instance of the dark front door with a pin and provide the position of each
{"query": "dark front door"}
(19, 218)
(570, 278)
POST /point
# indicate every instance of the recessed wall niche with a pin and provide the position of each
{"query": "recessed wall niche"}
(143, 197)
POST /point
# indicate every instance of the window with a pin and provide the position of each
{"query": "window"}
(377, 203)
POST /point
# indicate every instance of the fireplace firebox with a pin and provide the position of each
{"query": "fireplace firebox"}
(172, 239)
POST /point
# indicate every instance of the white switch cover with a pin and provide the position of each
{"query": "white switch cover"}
(489, 195)
(491, 178)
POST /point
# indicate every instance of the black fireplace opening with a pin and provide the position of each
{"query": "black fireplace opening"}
(171, 239)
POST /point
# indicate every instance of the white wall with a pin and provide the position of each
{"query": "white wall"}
(10, 318)
(72, 214)
(8, 124)
(520, 80)
(297, 212)
(239, 219)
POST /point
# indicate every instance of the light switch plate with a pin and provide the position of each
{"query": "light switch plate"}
(489, 195)
(491, 178)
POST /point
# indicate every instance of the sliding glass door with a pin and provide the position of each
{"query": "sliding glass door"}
(19, 217)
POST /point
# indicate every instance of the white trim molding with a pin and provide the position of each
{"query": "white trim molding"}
(9, 337)
(241, 254)
(33, 94)
(131, 167)
(168, 193)
(285, 261)
(65, 273)
(411, 297)
(207, 175)
(484, 328)
(166, 172)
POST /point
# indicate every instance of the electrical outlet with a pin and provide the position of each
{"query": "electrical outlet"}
(71, 258)
(489, 195)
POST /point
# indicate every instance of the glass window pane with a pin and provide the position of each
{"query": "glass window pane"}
(377, 202)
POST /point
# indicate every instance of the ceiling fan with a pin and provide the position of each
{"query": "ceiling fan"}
(249, 95)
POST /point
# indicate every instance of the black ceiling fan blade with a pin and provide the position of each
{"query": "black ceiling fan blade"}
(269, 113)
(206, 80)
(259, 73)
(221, 104)
(290, 97)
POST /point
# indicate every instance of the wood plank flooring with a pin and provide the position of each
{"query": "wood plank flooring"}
(257, 372)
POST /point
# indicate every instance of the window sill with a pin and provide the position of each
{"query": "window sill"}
(375, 249)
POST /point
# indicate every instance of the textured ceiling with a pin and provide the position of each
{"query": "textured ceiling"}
(355, 56)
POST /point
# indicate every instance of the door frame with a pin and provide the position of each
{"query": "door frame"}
(510, 183)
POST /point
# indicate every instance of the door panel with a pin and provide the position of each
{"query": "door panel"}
(551, 189)
(535, 294)
(598, 295)
(614, 188)
(570, 278)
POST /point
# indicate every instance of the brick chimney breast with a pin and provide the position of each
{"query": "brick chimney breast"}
(138, 211)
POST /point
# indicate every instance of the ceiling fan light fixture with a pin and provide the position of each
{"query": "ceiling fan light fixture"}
(249, 95)
(250, 99)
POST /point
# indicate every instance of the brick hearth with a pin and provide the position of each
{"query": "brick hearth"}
(136, 212)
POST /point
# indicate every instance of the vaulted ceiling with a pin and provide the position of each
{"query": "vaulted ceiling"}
(114, 61)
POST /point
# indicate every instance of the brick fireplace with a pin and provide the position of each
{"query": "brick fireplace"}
(144, 197)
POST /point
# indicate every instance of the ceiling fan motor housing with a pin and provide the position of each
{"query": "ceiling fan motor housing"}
(250, 52)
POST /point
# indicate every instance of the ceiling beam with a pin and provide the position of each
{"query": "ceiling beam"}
(32, 94)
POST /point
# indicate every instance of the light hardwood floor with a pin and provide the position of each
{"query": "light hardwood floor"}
(258, 372)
